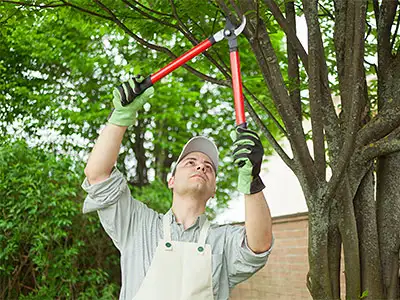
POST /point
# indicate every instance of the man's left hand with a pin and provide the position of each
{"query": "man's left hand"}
(248, 156)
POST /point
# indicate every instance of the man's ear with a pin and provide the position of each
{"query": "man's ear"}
(171, 182)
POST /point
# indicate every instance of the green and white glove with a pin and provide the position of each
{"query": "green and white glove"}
(126, 115)
(248, 156)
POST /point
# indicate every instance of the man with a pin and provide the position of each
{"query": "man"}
(178, 256)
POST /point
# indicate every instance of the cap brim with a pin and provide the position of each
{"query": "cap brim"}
(203, 145)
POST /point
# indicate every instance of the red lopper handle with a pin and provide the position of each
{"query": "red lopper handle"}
(237, 89)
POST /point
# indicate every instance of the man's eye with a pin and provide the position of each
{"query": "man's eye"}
(191, 162)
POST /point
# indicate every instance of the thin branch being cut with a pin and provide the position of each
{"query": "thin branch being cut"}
(269, 113)
(158, 48)
(289, 162)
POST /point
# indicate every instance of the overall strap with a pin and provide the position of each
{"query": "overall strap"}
(167, 226)
(204, 232)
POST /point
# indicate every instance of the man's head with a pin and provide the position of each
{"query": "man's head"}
(194, 174)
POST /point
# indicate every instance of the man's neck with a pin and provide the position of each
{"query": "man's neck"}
(187, 211)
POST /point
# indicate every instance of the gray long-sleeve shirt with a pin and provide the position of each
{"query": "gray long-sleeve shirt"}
(136, 230)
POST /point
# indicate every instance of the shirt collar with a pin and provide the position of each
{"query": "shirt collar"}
(199, 221)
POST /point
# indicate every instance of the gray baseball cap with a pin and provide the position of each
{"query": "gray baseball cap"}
(203, 145)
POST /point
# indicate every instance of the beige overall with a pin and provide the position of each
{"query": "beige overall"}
(179, 270)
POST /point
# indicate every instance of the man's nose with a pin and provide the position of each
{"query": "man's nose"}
(201, 167)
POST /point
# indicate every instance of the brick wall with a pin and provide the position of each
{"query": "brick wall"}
(284, 276)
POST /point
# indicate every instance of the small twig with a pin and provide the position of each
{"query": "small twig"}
(328, 13)
(32, 5)
(266, 110)
(151, 10)
(258, 19)
(395, 32)
(86, 10)
(376, 10)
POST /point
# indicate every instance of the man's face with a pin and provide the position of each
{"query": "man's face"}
(194, 175)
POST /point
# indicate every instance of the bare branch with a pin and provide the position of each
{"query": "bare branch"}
(293, 62)
(376, 10)
(269, 113)
(328, 13)
(289, 162)
(316, 56)
(271, 71)
(395, 32)
(289, 31)
(356, 24)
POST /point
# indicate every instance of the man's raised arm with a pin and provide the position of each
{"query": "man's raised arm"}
(105, 152)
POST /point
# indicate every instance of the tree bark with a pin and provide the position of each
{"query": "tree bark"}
(388, 215)
(365, 211)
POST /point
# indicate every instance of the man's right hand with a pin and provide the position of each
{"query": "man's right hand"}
(126, 115)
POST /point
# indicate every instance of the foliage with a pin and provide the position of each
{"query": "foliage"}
(60, 66)
(48, 248)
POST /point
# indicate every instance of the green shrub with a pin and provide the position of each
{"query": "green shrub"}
(48, 248)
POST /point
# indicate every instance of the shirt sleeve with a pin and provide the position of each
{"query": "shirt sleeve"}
(242, 262)
(120, 214)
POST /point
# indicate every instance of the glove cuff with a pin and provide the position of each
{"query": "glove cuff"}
(256, 185)
(122, 118)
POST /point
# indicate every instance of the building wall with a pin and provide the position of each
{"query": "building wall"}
(285, 274)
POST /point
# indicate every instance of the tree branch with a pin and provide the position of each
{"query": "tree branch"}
(271, 70)
(356, 81)
(376, 10)
(158, 48)
(31, 4)
(269, 113)
(145, 14)
(293, 62)
(380, 126)
(387, 14)
(282, 154)
(151, 10)
(316, 55)
(395, 32)
(289, 31)
(384, 146)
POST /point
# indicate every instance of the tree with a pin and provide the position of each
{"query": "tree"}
(358, 140)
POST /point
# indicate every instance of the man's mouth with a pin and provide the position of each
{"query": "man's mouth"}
(198, 175)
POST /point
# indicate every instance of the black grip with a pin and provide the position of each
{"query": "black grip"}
(134, 92)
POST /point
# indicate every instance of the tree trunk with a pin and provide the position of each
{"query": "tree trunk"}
(365, 211)
(318, 280)
(388, 213)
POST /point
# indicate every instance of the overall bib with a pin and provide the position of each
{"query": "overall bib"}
(179, 270)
